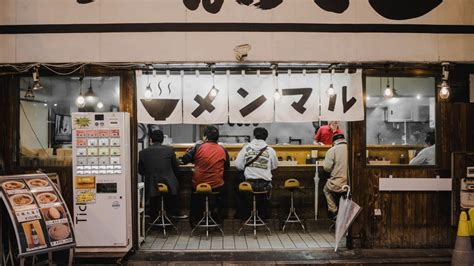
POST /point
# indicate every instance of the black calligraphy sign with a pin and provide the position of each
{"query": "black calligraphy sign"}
(249, 108)
(346, 105)
(332, 102)
(390, 9)
(336, 6)
(211, 6)
(262, 4)
(304, 92)
(205, 104)
(403, 9)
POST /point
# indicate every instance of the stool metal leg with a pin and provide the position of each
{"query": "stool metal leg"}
(162, 219)
(207, 221)
(292, 216)
(254, 220)
(207, 217)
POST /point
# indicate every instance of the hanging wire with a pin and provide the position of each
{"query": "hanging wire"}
(66, 73)
(32, 129)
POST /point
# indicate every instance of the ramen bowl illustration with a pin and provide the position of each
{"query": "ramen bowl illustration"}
(159, 109)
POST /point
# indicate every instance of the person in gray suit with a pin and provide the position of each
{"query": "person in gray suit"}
(158, 164)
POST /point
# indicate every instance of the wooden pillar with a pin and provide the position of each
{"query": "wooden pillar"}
(9, 121)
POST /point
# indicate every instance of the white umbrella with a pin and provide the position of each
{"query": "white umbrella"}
(316, 191)
(347, 212)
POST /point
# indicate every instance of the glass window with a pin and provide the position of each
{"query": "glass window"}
(400, 120)
(45, 115)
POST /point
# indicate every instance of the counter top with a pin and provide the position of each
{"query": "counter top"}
(283, 168)
(277, 146)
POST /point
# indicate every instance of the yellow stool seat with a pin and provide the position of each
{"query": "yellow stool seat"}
(162, 188)
(291, 184)
(203, 188)
(245, 187)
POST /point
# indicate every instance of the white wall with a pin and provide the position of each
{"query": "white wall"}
(218, 46)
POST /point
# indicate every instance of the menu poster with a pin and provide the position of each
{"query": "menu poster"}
(39, 215)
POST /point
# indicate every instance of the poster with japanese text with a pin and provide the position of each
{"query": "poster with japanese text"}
(299, 98)
(346, 104)
(251, 98)
(159, 98)
(205, 99)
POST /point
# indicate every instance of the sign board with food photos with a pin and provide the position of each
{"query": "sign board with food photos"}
(38, 213)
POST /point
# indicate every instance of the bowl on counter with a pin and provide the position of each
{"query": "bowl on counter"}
(379, 162)
(287, 163)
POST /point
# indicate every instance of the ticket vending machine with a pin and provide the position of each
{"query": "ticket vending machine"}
(462, 172)
(101, 182)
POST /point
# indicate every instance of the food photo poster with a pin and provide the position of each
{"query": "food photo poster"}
(38, 212)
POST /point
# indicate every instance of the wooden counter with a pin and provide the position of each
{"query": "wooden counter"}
(298, 152)
(392, 153)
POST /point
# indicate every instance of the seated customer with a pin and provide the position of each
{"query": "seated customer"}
(257, 160)
(336, 163)
(158, 164)
(427, 155)
(210, 160)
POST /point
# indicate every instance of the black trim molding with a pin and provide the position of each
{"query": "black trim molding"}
(235, 27)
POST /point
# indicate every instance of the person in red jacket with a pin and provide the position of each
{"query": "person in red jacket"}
(210, 160)
(325, 133)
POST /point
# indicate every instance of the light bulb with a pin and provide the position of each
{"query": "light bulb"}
(444, 91)
(388, 92)
(45, 104)
(29, 93)
(367, 98)
(277, 95)
(331, 91)
(418, 96)
(213, 92)
(100, 105)
(36, 80)
(80, 101)
(148, 92)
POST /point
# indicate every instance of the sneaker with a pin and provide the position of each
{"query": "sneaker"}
(179, 216)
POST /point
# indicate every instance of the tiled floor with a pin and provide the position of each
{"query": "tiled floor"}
(316, 237)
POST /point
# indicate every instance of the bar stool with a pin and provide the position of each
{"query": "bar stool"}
(254, 220)
(292, 185)
(162, 220)
(206, 221)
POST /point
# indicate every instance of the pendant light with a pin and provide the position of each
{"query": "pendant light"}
(330, 91)
(214, 91)
(80, 100)
(444, 90)
(148, 91)
(388, 92)
(91, 97)
(30, 95)
(36, 80)
(277, 94)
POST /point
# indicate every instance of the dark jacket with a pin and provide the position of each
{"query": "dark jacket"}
(157, 164)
